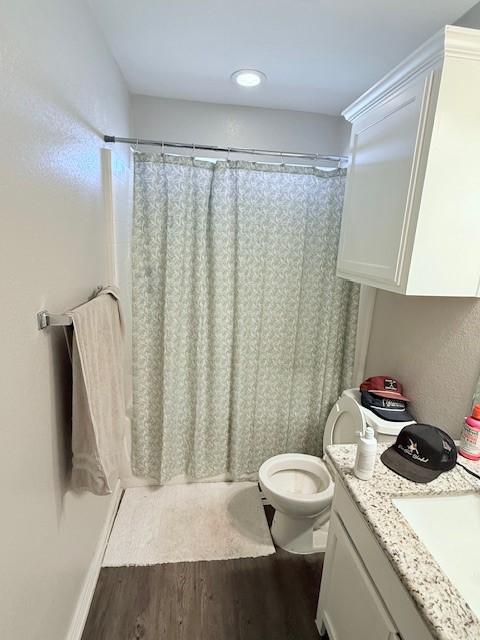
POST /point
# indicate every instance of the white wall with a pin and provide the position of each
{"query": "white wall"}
(119, 197)
(431, 344)
(233, 126)
(60, 92)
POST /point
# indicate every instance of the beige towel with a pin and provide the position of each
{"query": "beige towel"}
(98, 415)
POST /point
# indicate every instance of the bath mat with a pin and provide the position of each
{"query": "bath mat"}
(188, 523)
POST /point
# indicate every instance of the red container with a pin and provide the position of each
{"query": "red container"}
(470, 442)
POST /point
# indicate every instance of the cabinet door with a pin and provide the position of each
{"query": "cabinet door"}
(350, 606)
(386, 148)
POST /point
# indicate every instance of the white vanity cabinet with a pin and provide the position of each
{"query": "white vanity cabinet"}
(361, 596)
(411, 221)
(351, 606)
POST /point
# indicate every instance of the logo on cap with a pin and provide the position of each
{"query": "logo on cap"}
(412, 446)
(412, 450)
(393, 404)
(390, 384)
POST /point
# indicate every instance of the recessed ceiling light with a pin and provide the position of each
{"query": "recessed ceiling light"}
(248, 77)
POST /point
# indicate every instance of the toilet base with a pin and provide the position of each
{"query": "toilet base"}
(295, 535)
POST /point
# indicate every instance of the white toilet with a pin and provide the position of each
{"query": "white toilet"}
(300, 487)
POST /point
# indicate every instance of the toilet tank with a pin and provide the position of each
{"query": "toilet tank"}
(348, 417)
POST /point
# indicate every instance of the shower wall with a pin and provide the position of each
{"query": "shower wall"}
(61, 90)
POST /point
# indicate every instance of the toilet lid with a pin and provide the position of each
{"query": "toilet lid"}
(344, 422)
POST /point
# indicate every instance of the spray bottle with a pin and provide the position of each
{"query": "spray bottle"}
(366, 454)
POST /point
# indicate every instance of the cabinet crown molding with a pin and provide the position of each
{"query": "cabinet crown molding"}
(449, 42)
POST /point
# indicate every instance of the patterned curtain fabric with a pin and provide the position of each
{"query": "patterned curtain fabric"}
(243, 336)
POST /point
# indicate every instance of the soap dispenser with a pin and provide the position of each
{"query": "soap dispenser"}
(366, 454)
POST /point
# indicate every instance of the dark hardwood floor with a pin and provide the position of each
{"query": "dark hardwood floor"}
(268, 598)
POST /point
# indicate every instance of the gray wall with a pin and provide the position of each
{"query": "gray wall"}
(471, 18)
(226, 125)
(60, 91)
(433, 346)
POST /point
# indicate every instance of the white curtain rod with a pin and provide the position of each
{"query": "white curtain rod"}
(227, 150)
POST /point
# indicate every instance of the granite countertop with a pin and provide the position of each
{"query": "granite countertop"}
(443, 608)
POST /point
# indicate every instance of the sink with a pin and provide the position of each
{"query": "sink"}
(449, 527)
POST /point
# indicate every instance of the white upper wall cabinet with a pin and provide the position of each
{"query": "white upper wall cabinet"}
(411, 221)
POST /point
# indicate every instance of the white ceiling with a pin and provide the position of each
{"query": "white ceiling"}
(318, 55)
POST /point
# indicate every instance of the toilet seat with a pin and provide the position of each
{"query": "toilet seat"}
(344, 422)
(297, 463)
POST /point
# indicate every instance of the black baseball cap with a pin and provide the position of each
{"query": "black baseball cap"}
(387, 408)
(421, 453)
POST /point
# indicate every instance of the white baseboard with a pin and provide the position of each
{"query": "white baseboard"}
(85, 599)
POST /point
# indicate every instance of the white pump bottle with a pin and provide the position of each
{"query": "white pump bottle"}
(366, 454)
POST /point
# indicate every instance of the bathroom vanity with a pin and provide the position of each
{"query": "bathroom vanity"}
(383, 578)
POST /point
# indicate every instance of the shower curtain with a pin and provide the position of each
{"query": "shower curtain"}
(243, 336)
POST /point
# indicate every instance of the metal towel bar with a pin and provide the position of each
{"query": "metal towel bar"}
(46, 319)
